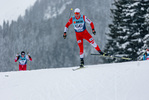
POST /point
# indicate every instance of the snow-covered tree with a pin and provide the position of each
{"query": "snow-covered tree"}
(128, 28)
(146, 23)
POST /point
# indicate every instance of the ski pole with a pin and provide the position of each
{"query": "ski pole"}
(17, 69)
(70, 12)
(69, 16)
(28, 62)
(29, 65)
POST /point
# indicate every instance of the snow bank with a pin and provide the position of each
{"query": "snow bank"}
(121, 81)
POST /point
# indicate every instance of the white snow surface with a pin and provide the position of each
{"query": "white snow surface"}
(121, 81)
(12, 9)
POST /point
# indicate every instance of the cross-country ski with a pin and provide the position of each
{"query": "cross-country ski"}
(74, 69)
(111, 56)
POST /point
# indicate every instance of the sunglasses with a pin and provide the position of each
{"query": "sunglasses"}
(76, 13)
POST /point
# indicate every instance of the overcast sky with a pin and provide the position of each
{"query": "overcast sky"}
(11, 9)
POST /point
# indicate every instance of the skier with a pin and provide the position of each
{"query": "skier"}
(23, 60)
(78, 22)
(146, 55)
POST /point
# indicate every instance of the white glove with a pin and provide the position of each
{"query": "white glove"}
(17, 55)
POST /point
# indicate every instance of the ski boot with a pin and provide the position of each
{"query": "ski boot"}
(82, 63)
(104, 54)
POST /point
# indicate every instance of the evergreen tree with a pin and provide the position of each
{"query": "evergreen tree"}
(144, 29)
(128, 29)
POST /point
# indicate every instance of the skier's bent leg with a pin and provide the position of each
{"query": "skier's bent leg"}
(90, 39)
(97, 48)
(93, 43)
(80, 44)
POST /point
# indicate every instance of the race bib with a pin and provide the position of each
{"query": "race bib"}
(22, 62)
(79, 27)
(79, 24)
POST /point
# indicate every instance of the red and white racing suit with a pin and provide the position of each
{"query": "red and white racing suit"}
(23, 62)
(81, 32)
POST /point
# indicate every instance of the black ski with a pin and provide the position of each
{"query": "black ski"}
(111, 56)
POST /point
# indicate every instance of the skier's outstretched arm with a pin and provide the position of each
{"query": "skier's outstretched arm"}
(17, 58)
(89, 22)
(66, 27)
(29, 57)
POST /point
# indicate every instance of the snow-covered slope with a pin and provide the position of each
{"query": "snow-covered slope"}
(123, 81)
(12, 9)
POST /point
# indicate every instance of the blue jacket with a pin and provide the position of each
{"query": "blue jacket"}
(145, 57)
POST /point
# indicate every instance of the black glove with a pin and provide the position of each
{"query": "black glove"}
(28, 55)
(94, 32)
(65, 35)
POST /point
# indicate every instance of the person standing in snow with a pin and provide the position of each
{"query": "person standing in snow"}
(23, 60)
(78, 22)
(146, 55)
